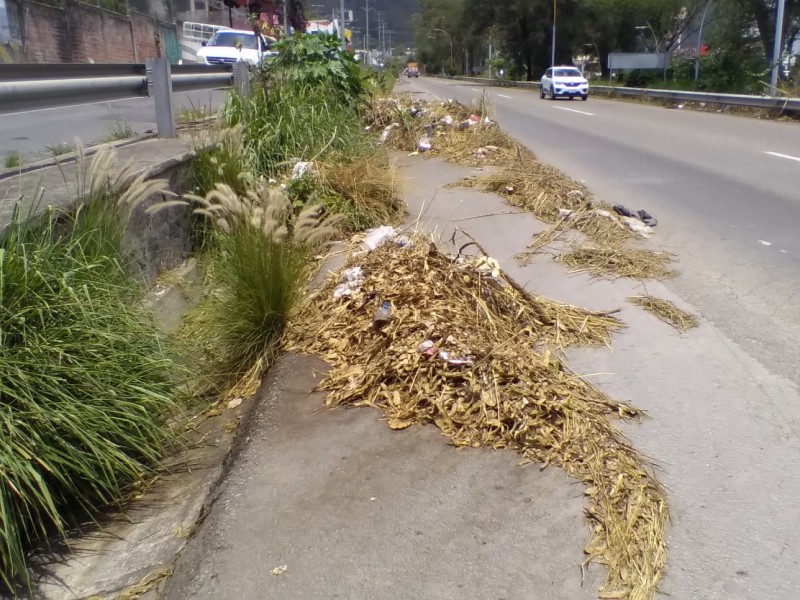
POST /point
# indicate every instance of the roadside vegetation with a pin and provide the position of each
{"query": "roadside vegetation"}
(12, 160)
(91, 391)
(85, 378)
(292, 167)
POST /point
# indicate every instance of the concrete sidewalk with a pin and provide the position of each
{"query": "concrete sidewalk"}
(355, 510)
(471, 524)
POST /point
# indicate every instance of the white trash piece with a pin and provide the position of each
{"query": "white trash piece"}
(301, 168)
(637, 227)
(377, 237)
(448, 120)
(565, 213)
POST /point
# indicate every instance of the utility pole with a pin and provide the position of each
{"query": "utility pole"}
(344, 25)
(553, 49)
(700, 42)
(286, 18)
(366, 37)
(777, 51)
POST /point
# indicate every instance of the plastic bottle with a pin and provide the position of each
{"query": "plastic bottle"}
(383, 314)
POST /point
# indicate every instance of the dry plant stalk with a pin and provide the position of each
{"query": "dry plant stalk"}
(508, 394)
(615, 261)
(370, 184)
(666, 311)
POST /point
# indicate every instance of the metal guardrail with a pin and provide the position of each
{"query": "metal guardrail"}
(37, 86)
(769, 102)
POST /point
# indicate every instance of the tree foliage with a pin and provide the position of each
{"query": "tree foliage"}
(740, 34)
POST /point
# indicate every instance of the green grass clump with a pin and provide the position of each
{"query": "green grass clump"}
(120, 130)
(292, 122)
(12, 160)
(57, 149)
(85, 383)
(256, 281)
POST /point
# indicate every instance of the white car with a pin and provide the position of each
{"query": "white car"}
(564, 81)
(229, 46)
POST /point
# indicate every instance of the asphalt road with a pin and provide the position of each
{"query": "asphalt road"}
(31, 132)
(726, 191)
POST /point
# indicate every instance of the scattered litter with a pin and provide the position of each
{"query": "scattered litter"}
(427, 347)
(640, 215)
(574, 195)
(426, 141)
(474, 120)
(301, 168)
(383, 315)
(647, 218)
(235, 402)
(637, 227)
(625, 212)
(487, 121)
(403, 241)
(353, 280)
(765, 243)
(415, 153)
(373, 499)
(487, 264)
(603, 213)
(448, 120)
(387, 131)
(279, 570)
(565, 213)
(377, 237)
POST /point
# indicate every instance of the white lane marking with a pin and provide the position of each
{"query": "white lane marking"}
(27, 112)
(782, 250)
(580, 112)
(504, 96)
(475, 89)
(779, 155)
(765, 243)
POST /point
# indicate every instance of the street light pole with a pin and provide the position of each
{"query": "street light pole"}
(700, 41)
(366, 37)
(452, 62)
(286, 18)
(655, 39)
(777, 51)
(553, 47)
(344, 26)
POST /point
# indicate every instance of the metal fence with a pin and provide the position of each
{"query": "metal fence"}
(769, 102)
(32, 86)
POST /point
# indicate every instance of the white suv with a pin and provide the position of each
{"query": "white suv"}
(228, 46)
(564, 81)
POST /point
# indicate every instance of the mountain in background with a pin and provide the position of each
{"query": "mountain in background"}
(397, 13)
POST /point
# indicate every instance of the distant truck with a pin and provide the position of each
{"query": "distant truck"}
(412, 70)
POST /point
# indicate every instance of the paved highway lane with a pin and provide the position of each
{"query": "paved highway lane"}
(31, 132)
(726, 191)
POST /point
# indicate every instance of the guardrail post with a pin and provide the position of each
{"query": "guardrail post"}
(159, 86)
(241, 78)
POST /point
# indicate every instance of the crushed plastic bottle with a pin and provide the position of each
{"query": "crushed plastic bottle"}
(383, 315)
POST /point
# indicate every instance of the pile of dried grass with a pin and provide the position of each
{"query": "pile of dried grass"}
(614, 261)
(507, 396)
(533, 186)
(666, 311)
(369, 184)
(477, 146)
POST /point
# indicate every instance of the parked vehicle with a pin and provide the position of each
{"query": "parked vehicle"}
(229, 46)
(564, 81)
